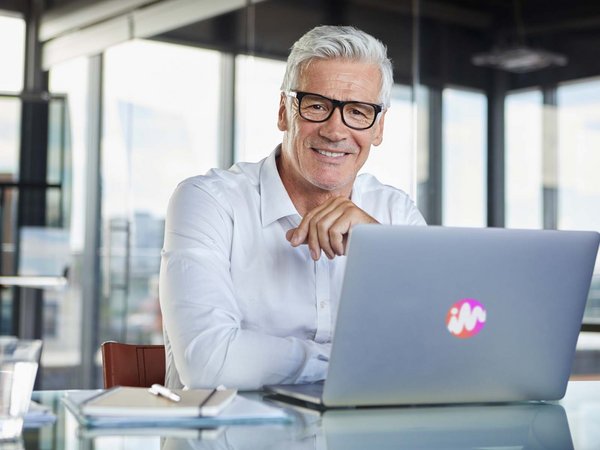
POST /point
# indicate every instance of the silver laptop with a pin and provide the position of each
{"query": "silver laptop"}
(436, 315)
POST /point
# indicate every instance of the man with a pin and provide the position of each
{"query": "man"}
(253, 256)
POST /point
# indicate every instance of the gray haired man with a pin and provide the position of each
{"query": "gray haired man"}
(253, 256)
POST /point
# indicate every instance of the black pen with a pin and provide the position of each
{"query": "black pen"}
(98, 395)
(210, 395)
(207, 398)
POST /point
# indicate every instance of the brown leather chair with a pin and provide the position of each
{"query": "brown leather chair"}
(132, 365)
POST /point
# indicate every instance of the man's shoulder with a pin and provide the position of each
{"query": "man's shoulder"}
(239, 176)
(225, 190)
(366, 183)
(386, 203)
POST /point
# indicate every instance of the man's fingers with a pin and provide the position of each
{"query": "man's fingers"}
(313, 241)
(324, 221)
(302, 234)
(294, 237)
(326, 227)
(336, 239)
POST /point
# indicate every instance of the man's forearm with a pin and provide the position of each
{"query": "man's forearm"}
(247, 359)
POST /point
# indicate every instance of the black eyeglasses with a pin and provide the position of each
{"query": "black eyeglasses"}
(316, 108)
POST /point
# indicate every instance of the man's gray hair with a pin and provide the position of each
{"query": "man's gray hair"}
(344, 42)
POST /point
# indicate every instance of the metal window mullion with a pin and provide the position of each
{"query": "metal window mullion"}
(33, 160)
(90, 283)
(435, 181)
(496, 96)
(550, 157)
(226, 145)
(63, 163)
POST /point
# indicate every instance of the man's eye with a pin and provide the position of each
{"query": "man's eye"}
(318, 107)
(358, 112)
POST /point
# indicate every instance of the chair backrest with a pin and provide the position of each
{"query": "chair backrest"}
(132, 365)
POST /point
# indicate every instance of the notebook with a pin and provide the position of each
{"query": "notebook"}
(140, 402)
(437, 315)
(243, 409)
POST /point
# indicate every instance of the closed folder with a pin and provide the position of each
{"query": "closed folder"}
(139, 402)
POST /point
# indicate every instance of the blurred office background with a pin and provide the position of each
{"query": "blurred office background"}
(106, 105)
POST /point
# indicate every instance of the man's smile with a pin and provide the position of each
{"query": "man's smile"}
(329, 153)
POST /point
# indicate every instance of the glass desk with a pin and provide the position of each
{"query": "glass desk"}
(572, 423)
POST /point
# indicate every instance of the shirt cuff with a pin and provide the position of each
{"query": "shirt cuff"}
(316, 366)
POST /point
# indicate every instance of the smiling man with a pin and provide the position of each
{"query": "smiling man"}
(253, 260)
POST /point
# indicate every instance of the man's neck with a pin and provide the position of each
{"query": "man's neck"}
(305, 202)
(306, 197)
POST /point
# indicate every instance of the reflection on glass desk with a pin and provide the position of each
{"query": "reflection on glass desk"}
(530, 426)
(572, 423)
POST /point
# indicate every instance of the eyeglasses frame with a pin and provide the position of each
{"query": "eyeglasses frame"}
(299, 95)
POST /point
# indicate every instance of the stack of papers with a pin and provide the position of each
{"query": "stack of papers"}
(238, 410)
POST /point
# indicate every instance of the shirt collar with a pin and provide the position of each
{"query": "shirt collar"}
(355, 196)
(275, 202)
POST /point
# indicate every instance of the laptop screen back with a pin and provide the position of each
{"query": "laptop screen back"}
(450, 315)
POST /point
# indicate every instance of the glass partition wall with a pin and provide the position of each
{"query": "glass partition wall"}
(492, 123)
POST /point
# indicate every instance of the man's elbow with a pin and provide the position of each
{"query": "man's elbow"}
(208, 365)
(212, 375)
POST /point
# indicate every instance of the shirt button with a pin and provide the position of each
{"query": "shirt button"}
(323, 304)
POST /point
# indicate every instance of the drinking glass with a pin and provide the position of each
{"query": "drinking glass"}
(18, 367)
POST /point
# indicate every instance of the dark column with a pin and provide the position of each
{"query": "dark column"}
(31, 210)
(496, 96)
(433, 211)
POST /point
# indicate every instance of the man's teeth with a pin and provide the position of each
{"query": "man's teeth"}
(330, 154)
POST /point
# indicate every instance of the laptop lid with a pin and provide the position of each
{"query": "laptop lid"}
(452, 315)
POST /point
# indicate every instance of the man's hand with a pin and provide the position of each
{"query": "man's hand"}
(326, 227)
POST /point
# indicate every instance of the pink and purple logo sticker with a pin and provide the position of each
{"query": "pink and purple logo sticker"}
(466, 318)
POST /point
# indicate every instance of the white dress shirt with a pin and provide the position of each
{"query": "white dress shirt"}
(240, 305)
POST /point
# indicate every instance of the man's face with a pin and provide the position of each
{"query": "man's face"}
(328, 155)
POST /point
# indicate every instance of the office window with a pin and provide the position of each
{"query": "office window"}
(393, 162)
(61, 357)
(523, 160)
(258, 84)
(464, 149)
(10, 124)
(578, 187)
(12, 57)
(161, 125)
(552, 163)
(12, 53)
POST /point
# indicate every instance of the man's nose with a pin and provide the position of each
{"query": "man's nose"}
(334, 128)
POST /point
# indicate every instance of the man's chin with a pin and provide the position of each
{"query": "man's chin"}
(332, 184)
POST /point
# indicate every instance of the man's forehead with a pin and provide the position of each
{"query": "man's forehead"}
(335, 77)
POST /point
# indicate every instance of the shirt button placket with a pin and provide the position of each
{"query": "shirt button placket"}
(322, 293)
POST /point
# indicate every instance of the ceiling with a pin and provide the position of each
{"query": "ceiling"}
(443, 40)
(449, 34)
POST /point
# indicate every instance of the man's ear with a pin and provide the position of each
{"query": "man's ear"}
(378, 132)
(282, 115)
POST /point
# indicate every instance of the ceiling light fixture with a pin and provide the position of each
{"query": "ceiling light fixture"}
(519, 58)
